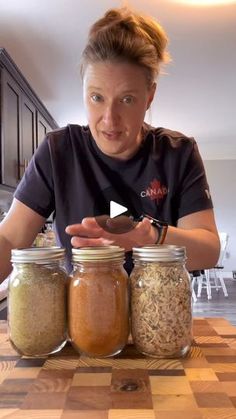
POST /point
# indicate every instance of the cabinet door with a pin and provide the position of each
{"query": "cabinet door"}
(28, 132)
(11, 115)
(42, 128)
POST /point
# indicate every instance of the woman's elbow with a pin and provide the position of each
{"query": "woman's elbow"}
(214, 252)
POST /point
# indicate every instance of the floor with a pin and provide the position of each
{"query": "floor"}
(218, 306)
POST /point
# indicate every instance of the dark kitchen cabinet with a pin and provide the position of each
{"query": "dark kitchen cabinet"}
(28, 132)
(10, 128)
(24, 121)
(42, 128)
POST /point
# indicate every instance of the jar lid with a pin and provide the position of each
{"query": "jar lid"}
(97, 253)
(159, 253)
(36, 254)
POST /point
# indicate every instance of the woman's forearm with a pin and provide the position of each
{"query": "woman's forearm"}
(202, 246)
(5, 255)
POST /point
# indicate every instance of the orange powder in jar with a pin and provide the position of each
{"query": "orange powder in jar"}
(98, 302)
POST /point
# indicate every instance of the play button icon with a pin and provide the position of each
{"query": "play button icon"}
(116, 209)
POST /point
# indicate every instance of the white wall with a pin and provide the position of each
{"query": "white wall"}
(221, 175)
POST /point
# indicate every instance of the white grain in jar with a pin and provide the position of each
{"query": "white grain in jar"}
(161, 312)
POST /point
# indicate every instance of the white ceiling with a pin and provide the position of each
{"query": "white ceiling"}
(197, 95)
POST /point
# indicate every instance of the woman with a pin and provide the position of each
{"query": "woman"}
(78, 170)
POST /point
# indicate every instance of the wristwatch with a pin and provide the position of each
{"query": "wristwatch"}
(161, 226)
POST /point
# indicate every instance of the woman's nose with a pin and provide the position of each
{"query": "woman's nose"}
(111, 114)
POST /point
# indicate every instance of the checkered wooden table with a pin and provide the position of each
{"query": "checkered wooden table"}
(128, 386)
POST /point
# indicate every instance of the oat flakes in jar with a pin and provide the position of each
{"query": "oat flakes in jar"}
(161, 312)
(37, 312)
(98, 308)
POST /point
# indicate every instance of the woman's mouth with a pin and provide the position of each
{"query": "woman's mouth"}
(111, 135)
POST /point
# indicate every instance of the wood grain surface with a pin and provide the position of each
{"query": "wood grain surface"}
(128, 386)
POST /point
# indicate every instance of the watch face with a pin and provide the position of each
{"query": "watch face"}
(155, 221)
(161, 226)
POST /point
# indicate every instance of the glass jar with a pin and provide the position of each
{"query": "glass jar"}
(37, 301)
(98, 301)
(161, 312)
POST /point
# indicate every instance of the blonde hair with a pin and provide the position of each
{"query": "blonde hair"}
(122, 35)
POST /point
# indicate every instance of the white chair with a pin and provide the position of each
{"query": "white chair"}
(215, 274)
(195, 277)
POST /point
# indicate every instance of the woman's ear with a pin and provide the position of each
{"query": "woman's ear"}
(151, 95)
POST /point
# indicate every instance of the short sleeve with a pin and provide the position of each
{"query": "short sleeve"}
(194, 194)
(36, 187)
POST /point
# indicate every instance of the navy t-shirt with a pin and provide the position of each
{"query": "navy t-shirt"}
(69, 176)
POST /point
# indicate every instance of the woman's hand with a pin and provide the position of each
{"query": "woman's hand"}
(104, 231)
(197, 232)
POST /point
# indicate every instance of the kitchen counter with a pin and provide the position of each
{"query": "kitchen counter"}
(127, 386)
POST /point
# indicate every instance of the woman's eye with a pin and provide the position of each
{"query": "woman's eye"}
(96, 98)
(127, 99)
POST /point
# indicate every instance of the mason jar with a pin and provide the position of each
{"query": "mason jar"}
(98, 308)
(161, 312)
(37, 312)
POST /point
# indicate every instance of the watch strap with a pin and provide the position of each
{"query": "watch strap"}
(161, 226)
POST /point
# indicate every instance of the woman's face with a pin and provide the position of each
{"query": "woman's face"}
(116, 97)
